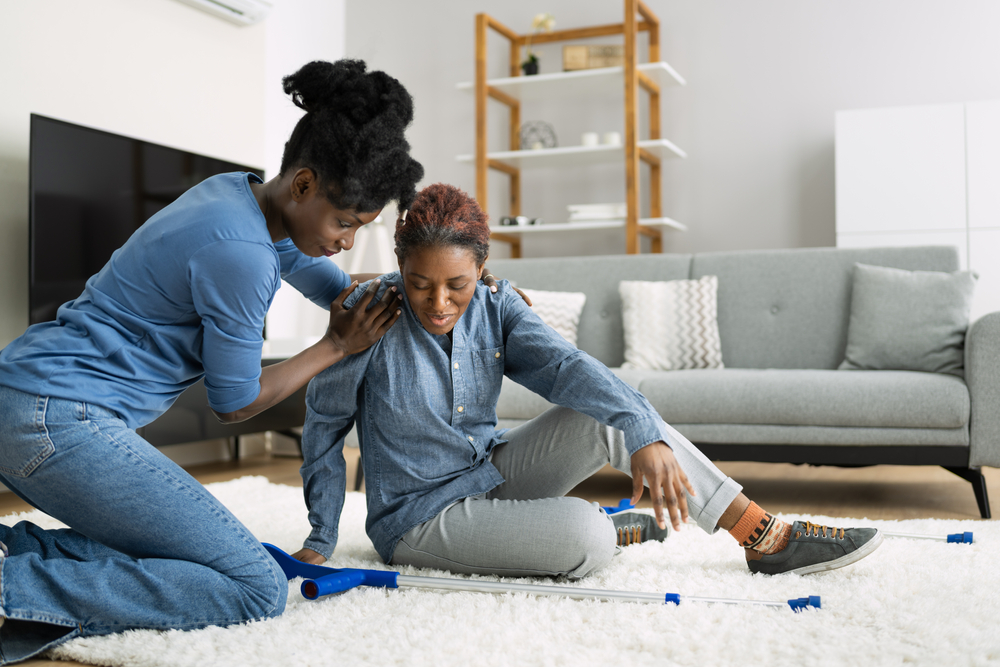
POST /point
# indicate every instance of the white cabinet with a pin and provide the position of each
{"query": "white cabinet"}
(925, 175)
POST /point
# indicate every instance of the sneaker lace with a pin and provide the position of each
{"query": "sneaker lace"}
(629, 535)
(817, 529)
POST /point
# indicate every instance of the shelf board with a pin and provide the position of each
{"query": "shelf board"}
(667, 223)
(599, 81)
(572, 156)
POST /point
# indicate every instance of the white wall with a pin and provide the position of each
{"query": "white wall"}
(756, 118)
(157, 70)
(298, 31)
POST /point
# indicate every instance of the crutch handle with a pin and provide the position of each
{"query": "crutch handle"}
(345, 579)
(321, 580)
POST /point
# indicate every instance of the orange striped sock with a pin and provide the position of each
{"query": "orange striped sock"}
(760, 531)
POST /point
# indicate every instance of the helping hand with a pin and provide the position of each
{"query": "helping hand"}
(666, 479)
(490, 281)
(358, 328)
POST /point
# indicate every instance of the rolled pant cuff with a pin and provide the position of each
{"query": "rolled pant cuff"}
(708, 518)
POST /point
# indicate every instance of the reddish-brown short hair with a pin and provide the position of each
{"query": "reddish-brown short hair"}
(443, 215)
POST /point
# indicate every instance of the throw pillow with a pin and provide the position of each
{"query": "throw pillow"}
(671, 325)
(560, 310)
(908, 320)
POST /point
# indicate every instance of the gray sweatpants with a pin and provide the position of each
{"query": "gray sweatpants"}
(525, 527)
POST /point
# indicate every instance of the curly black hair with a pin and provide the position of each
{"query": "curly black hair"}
(352, 134)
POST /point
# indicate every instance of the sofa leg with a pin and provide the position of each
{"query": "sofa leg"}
(975, 477)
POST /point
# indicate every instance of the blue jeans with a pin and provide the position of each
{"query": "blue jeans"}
(147, 547)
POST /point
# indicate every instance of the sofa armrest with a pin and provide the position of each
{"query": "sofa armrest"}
(982, 374)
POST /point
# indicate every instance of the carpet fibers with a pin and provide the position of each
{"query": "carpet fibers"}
(911, 602)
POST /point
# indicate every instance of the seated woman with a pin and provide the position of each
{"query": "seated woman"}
(446, 490)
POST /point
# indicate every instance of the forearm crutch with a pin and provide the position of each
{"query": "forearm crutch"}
(321, 580)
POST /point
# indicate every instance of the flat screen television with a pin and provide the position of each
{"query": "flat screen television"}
(89, 190)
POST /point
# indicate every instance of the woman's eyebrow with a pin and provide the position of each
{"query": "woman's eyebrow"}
(417, 275)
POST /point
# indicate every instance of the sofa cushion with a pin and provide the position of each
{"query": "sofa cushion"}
(600, 330)
(670, 325)
(887, 399)
(559, 310)
(790, 308)
(908, 320)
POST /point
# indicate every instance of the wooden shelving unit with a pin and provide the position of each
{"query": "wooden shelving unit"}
(629, 78)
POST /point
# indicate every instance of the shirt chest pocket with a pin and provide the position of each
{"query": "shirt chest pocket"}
(487, 366)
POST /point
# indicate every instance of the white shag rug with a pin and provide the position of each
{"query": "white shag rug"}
(911, 602)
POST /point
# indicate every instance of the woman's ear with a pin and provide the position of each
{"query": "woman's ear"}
(303, 182)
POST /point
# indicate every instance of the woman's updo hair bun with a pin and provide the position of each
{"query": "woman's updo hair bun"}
(443, 215)
(352, 134)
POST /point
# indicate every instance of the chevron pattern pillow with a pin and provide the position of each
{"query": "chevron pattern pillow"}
(560, 310)
(671, 325)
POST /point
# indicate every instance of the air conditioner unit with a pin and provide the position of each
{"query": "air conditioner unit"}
(240, 12)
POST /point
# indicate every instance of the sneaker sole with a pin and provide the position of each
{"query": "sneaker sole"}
(853, 557)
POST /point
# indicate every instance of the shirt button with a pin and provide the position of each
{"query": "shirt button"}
(456, 364)
(497, 355)
(460, 408)
(470, 438)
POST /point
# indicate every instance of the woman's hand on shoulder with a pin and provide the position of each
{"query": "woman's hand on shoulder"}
(490, 281)
(359, 327)
(309, 556)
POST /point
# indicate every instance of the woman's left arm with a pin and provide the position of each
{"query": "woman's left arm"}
(543, 361)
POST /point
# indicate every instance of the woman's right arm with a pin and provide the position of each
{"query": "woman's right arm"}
(350, 331)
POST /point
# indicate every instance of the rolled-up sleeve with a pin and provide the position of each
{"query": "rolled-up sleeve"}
(232, 283)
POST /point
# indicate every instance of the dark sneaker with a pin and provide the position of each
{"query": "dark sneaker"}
(812, 548)
(633, 527)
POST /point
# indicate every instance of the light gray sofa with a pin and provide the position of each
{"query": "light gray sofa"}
(783, 321)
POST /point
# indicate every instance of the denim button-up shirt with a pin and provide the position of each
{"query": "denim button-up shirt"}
(425, 407)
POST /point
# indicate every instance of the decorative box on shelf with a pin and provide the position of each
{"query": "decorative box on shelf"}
(584, 56)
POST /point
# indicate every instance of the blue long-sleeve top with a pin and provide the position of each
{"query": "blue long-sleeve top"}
(425, 408)
(185, 297)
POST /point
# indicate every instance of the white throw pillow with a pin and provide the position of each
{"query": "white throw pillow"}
(671, 325)
(560, 310)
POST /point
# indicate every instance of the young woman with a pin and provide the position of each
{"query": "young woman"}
(446, 490)
(185, 298)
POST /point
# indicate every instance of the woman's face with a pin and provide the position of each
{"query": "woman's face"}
(314, 224)
(439, 282)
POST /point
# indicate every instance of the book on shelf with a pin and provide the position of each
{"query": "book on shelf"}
(581, 212)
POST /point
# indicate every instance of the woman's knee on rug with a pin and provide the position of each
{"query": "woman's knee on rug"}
(263, 587)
